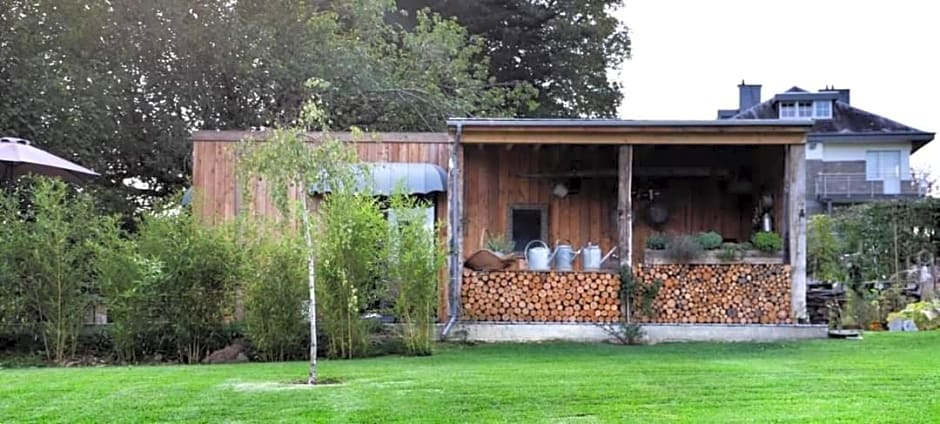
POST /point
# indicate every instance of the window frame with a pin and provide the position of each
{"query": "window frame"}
(791, 106)
(828, 107)
(543, 218)
(802, 107)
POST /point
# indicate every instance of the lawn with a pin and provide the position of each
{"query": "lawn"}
(886, 377)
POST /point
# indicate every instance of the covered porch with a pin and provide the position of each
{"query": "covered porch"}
(615, 184)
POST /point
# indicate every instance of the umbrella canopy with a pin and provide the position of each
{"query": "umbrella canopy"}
(18, 157)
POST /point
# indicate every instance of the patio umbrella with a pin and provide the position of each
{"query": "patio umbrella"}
(18, 157)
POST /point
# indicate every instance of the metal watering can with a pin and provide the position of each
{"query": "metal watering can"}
(592, 256)
(564, 256)
(538, 257)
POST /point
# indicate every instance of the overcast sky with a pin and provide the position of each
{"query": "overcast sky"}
(689, 56)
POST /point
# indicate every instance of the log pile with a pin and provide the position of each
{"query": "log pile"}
(718, 294)
(529, 296)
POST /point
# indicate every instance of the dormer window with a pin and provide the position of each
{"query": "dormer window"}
(822, 109)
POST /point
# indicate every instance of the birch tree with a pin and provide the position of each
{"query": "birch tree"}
(290, 166)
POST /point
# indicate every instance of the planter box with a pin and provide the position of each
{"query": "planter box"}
(710, 257)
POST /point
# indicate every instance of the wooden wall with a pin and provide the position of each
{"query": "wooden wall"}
(218, 194)
(492, 183)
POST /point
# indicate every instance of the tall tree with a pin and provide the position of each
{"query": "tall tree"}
(562, 47)
(117, 85)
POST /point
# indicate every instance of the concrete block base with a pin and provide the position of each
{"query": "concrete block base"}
(655, 333)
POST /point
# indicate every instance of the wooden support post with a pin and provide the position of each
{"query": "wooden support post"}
(796, 227)
(455, 228)
(625, 206)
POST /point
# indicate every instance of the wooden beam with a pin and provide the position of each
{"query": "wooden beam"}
(646, 171)
(625, 206)
(795, 175)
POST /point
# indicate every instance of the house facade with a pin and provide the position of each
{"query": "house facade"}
(852, 156)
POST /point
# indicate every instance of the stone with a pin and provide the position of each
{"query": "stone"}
(909, 325)
(235, 352)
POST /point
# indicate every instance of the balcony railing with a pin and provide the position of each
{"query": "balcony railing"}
(860, 186)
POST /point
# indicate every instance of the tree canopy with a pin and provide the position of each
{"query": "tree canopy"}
(564, 48)
(118, 85)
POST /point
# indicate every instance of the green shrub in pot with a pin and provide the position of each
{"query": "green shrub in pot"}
(657, 241)
(767, 242)
(709, 240)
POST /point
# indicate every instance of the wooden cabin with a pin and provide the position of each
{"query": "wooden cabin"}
(612, 183)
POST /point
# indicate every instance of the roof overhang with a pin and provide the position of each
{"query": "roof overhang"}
(613, 131)
(784, 97)
(917, 139)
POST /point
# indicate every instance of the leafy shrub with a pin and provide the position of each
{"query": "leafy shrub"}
(171, 286)
(657, 241)
(275, 291)
(49, 234)
(767, 242)
(709, 240)
(921, 312)
(683, 248)
(351, 246)
(824, 250)
(624, 333)
(731, 251)
(416, 259)
(499, 243)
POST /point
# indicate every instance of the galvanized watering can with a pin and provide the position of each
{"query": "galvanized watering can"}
(564, 256)
(537, 257)
(592, 256)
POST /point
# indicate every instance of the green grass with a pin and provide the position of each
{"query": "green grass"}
(884, 378)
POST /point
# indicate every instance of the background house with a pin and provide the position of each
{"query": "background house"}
(852, 155)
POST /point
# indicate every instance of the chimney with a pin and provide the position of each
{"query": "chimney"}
(842, 94)
(748, 95)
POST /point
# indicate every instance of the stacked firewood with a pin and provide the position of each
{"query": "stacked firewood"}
(529, 296)
(718, 294)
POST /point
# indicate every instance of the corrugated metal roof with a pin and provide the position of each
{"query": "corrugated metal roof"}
(416, 178)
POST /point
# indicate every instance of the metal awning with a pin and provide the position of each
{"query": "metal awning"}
(417, 178)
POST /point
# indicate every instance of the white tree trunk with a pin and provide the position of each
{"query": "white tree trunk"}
(311, 283)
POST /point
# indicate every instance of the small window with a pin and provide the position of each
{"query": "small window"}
(805, 110)
(822, 109)
(787, 110)
(527, 223)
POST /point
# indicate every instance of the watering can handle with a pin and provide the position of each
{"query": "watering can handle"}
(607, 256)
(525, 251)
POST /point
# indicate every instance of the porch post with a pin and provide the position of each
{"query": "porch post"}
(796, 226)
(625, 205)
